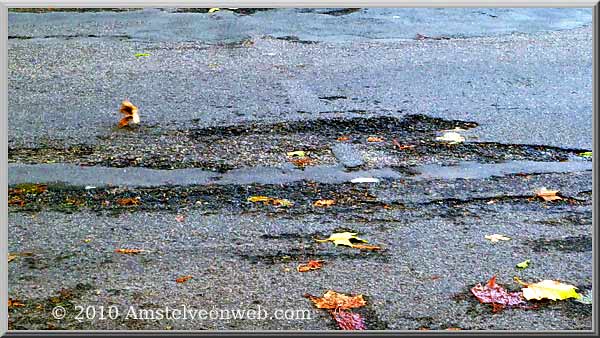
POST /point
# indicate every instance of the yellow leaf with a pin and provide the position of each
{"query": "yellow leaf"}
(298, 153)
(212, 10)
(496, 237)
(11, 257)
(259, 199)
(282, 202)
(342, 238)
(549, 289)
(324, 203)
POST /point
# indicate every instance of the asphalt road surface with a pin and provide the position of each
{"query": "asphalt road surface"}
(364, 93)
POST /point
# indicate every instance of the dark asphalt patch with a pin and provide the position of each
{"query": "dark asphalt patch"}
(569, 244)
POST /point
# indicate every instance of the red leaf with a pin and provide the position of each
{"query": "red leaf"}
(496, 295)
(348, 320)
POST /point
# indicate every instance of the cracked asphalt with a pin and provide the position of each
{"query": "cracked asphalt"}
(224, 97)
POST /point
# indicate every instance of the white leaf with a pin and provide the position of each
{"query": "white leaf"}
(365, 180)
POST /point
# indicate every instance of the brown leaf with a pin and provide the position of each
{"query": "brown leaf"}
(324, 203)
(548, 195)
(11, 257)
(496, 295)
(16, 201)
(125, 121)
(311, 265)
(349, 321)
(183, 279)
(127, 108)
(128, 201)
(302, 162)
(129, 251)
(14, 303)
(337, 301)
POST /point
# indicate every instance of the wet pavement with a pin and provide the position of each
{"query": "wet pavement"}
(226, 97)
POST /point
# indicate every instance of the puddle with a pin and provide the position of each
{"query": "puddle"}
(474, 170)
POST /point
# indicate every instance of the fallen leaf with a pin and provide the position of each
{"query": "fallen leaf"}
(337, 301)
(137, 55)
(400, 146)
(524, 264)
(374, 139)
(492, 293)
(302, 162)
(548, 289)
(183, 279)
(343, 138)
(364, 180)
(298, 153)
(451, 137)
(131, 114)
(342, 238)
(212, 10)
(270, 200)
(324, 203)
(311, 265)
(548, 195)
(87, 240)
(14, 303)
(491, 202)
(128, 201)
(453, 329)
(16, 201)
(496, 237)
(180, 218)
(282, 202)
(586, 154)
(129, 251)
(11, 257)
(366, 247)
(348, 320)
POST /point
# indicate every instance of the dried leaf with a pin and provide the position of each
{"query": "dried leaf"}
(451, 137)
(524, 264)
(343, 138)
(131, 114)
(494, 294)
(128, 201)
(348, 320)
(548, 195)
(342, 238)
(324, 203)
(337, 301)
(311, 265)
(302, 162)
(129, 251)
(14, 303)
(366, 247)
(400, 146)
(270, 200)
(16, 201)
(183, 279)
(496, 237)
(548, 289)
(11, 257)
(374, 139)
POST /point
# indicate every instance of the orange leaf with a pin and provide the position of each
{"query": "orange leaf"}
(343, 138)
(324, 203)
(128, 201)
(14, 303)
(183, 279)
(302, 162)
(311, 265)
(548, 195)
(127, 108)
(337, 301)
(125, 121)
(374, 139)
(16, 201)
(129, 251)
(366, 246)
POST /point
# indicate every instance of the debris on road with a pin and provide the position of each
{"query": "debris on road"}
(524, 264)
(183, 279)
(129, 251)
(131, 114)
(451, 137)
(311, 265)
(548, 195)
(548, 289)
(492, 293)
(497, 237)
(364, 180)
